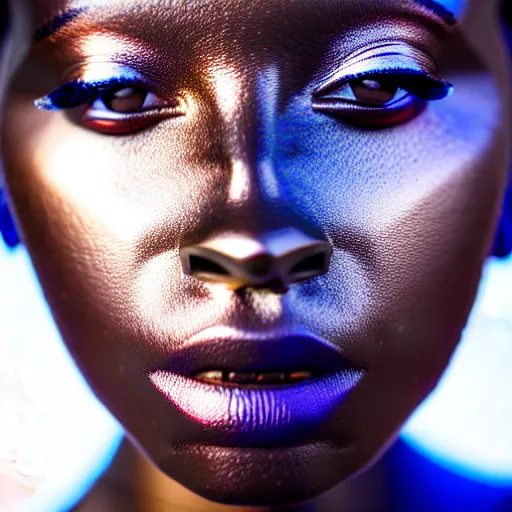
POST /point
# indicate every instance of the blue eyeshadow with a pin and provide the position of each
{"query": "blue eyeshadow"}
(77, 92)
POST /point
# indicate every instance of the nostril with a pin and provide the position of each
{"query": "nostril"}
(198, 265)
(273, 260)
(311, 264)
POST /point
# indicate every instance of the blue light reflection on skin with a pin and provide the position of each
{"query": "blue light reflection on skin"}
(62, 437)
(465, 425)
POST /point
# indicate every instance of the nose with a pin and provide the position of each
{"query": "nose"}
(273, 260)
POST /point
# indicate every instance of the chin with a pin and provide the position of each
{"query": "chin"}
(259, 476)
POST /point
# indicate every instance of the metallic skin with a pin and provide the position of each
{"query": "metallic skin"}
(406, 211)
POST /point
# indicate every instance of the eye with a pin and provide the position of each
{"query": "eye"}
(380, 100)
(127, 100)
(373, 92)
(114, 106)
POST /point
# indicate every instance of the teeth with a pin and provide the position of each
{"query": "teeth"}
(213, 375)
(271, 378)
(298, 376)
(254, 377)
(242, 378)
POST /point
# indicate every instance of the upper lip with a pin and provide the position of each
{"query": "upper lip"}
(271, 352)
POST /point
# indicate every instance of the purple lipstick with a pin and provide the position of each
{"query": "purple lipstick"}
(257, 390)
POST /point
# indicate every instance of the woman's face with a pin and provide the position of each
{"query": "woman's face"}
(185, 135)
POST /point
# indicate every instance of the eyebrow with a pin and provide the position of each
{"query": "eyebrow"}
(55, 24)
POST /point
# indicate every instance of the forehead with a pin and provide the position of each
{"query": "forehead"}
(45, 9)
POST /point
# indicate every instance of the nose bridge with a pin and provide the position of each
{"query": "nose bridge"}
(257, 241)
(247, 102)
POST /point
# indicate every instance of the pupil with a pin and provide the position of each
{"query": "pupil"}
(374, 92)
(126, 100)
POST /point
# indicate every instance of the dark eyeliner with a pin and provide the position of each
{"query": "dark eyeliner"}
(422, 85)
(78, 92)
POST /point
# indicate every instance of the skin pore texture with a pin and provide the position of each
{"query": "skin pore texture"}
(246, 123)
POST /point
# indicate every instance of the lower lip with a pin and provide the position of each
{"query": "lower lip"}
(251, 416)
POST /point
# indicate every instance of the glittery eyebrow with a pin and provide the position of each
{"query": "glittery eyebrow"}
(55, 24)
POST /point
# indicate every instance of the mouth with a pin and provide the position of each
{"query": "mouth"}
(257, 390)
(252, 361)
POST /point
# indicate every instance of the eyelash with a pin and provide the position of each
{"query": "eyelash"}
(77, 92)
(419, 87)
(411, 80)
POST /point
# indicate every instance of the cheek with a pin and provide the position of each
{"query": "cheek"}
(125, 187)
(95, 209)
(134, 194)
(409, 210)
(375, 178)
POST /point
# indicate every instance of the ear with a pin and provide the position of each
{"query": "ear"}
(7, 227)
